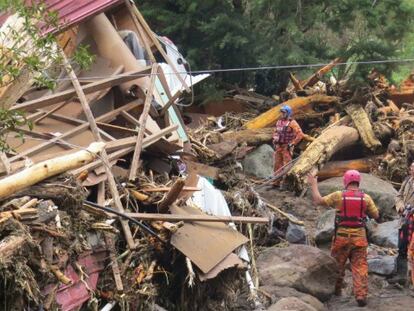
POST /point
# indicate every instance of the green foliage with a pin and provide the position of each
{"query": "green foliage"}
(240, 33)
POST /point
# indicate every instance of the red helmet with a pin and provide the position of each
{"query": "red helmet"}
(351, 176)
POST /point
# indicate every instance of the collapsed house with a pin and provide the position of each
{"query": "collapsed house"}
(61, 244)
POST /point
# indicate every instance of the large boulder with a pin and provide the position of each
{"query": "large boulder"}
(259, 162)
(278, 292)
(325, 228)
(382, 265)
(385, 234)
(304, 268)
(291, 304)
(382, 192)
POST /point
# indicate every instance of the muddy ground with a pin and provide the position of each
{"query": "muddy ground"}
(382, 296)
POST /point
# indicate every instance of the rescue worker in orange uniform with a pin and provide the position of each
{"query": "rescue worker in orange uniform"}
(350, 240)
(286, 135)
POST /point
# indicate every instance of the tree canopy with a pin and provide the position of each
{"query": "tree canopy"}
(234, 34)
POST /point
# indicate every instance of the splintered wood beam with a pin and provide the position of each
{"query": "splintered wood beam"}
(143, 122)
(338, 168)
(317, 75)
(158, 45)
(192, 218)
(172, 195)
(364, 126)
(104, 156)
(87, 89)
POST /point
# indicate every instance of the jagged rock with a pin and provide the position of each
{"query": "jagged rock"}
(291, 304)
(382, 192)
(325, 228)
(259, 163)
(277, 292)
(382, 265)
(304, 268)
(385, 234)
(295, 234)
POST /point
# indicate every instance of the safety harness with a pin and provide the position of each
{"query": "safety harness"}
(284, 133)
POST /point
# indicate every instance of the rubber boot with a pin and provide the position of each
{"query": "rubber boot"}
(401, 275)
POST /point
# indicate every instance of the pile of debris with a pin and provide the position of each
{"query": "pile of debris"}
(369, 129)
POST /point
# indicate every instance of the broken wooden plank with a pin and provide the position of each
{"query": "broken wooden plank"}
(172, 195)
(87, 89)
(143, 122)
(202, 169)
(204, 218)
(104, 157)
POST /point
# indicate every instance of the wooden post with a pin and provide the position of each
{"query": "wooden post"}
(104, 156)
(140, 31)
(143, 122)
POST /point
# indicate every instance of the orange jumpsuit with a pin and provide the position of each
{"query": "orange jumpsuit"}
(282, 139)
(411, 257)
(352, 244)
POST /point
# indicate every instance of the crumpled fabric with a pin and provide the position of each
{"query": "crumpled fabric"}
(354, 249)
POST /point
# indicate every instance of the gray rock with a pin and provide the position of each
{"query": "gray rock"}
(382, 265)
(291, 304)
(277, 293)
(304, 268)
(259, 163)
(382, 192)
(325, 227)
(295, 234)
(385, 234)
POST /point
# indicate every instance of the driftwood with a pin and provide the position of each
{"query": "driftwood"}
(40, 171)
(269, 117)
(10, 245)
(320, 151)
(317, 75)
(364, 126)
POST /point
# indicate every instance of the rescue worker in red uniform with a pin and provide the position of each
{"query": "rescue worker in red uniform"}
(286, 135)
(350, 239)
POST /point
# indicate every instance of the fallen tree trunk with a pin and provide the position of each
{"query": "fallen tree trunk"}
(269, 117)
(338, 168)
(40, 171)
(320, 151)
(364, 126)
(252, 137)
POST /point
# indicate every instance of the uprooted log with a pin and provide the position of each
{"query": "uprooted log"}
(338, 168)
(320, 151)
(364, 126)
(40, 171)
(252, 137)
(297, 104)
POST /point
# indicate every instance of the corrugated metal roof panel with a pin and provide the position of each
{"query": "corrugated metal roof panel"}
(72, 12)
